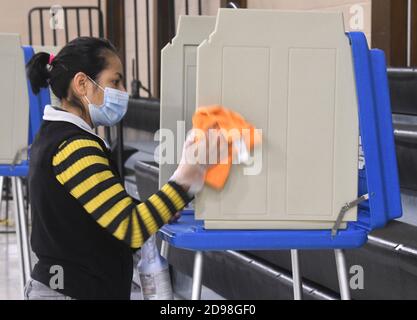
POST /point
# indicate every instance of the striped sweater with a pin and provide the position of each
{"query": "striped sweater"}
(83, 219)
(82, 167)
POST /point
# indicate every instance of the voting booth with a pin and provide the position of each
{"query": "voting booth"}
(329, 174)
(290, 74)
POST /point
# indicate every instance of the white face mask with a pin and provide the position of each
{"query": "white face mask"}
(112, 110)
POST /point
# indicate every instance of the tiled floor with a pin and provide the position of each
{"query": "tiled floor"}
(10, 282)
(11, 287)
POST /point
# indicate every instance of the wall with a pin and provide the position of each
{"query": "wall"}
(14, 18)
(324, 5)
(209, 7)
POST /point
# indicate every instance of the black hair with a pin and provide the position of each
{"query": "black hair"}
(83, 54)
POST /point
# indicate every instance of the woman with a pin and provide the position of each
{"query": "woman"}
(85, 226)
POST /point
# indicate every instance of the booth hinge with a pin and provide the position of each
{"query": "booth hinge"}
(343, 211)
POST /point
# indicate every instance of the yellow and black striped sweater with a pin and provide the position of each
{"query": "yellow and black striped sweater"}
(83, 219)
(83, 168)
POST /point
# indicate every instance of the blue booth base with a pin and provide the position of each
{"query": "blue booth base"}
(19, 170)
(190, 234)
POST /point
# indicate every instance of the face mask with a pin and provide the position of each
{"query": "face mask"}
(112, 110)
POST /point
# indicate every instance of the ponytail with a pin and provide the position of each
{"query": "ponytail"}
(37, 71)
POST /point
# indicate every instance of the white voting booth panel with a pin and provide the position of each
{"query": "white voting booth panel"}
(14, 106)
(178, 82)
(291, 75)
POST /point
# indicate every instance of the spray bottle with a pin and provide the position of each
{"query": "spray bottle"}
(154, 273)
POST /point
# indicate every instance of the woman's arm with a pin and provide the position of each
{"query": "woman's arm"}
(82, 167)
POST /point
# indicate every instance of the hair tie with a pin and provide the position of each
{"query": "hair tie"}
(51, 58)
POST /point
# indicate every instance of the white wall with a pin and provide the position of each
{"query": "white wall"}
(209, 7)
(344, 6)
(14, 18)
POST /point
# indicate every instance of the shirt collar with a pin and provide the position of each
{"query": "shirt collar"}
(56, 114)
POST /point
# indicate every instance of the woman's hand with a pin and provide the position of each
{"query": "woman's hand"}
(195, 160)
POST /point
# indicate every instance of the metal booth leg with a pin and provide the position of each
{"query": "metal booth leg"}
(297, 284)
(23, 220)
(342, 274)
(164, 249)
(21, 230)
(197, 276)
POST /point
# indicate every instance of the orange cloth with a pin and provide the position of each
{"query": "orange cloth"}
(223, 118)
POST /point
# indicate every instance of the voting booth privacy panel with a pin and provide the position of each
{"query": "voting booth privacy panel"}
(178, 82)
(14, 106)
(291, 75)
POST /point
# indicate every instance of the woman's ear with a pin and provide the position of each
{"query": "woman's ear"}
(80, 83)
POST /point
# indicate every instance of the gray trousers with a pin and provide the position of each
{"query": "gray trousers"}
(34, 290)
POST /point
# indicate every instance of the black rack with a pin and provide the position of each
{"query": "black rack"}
(40, 11)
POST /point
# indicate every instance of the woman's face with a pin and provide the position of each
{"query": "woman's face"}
(88, 91)
(111, 77)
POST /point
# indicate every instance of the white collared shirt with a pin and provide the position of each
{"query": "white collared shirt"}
(52, 113)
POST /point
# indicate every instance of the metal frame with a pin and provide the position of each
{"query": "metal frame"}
(21, 230)
(281, 275)
(296, 276)
(135, 67)
(164, 249)
(342, 274)
(287, 279)
(77, 9)
(172, 14)
(197, 276)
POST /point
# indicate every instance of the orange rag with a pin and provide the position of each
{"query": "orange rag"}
(216, 116)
